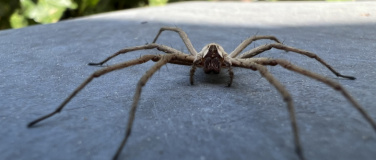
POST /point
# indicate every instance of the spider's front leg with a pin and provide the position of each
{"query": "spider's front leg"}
(244, 63)
(160, 61)
(248, 41)
(182, 35)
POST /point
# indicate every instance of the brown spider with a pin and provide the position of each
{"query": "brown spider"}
(212, 58)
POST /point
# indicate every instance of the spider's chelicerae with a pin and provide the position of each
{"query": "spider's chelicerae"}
(212, 58)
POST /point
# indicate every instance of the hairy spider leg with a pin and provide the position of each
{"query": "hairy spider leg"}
(160, 59)
(164, 59)
(280, 46)
(163, 48)
(285, 94)
(248, 41)
(335, 85)
(182, 35)
(96, 74)
(185, 59)
(250, 63)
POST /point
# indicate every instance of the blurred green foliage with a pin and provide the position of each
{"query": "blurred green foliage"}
(21, 13)
(7, 7)
(44, 11)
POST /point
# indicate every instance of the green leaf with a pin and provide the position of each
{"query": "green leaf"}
(157, 2)
(17, 20)
(46, 11)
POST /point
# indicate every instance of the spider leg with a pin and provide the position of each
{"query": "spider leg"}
(187, 62)
(263, 48)
(325, 80)
(192, 72)
(230, 72)
(163, 60)
(248, 41)
(96, 74)
(162, 48)
(285, 94)
(182, 35)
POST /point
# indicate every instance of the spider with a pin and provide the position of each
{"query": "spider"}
(212, 58)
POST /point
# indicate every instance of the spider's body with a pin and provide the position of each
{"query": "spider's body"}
(212, 57)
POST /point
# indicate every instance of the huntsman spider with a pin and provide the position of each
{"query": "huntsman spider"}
(212, 58)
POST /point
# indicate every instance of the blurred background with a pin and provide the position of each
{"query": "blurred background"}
(22, 13)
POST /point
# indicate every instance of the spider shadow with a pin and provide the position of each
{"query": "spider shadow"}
(221, 78)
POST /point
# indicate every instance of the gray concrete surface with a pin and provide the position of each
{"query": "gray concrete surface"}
(41, 65)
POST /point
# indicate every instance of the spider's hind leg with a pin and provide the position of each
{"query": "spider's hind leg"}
(286, 97)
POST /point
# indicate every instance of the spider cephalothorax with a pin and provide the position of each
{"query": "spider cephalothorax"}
(212, 58)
